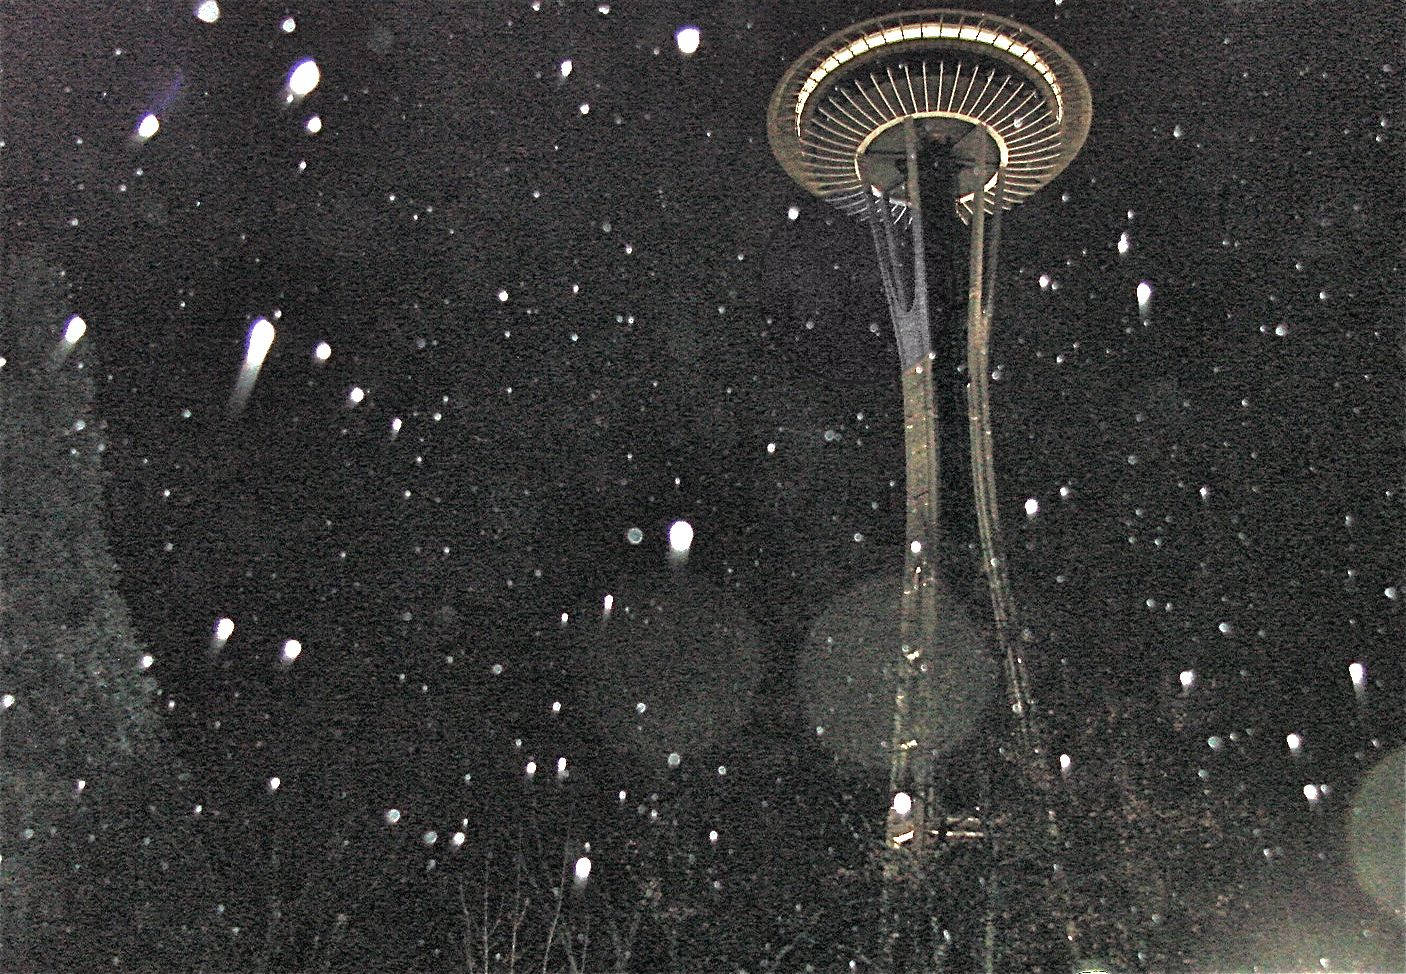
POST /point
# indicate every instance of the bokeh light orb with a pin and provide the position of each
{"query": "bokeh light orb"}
(841, 676)
(1375, 833)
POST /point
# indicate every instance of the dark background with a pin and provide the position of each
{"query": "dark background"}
(1234, 458)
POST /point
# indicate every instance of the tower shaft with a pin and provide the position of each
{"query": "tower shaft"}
(919, 830)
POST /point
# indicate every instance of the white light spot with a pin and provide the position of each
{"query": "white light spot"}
(564, 69)
(915, 546)
(1064, 763)
(561, 768)
(392, 816)
(584, 108)
(903, 803)
(531, 769)
(1225, 628)
(458, 839)
(74, 331)
(1312, 793)
(7, 701)
(148, 126)
(275, 783)
(634, 535)
(288, 25)
(687, 38)
(313, 125)
(208, 12)
(356, 395)
(583, 870)
(260, 340)
(680, 538)
(146, 661)
(793, 212)
(1188, 679)
(1144, 298)
(674, 759)
(292, 649)
(503, 295)
(1295, 743)
(1281, 330)
(1125, 243)
(304, 77)
(1032, 507)
(1044, 282)
(430, 837)
(224, 628)
(1358, 673)
(607, 604)
(1065, 493)
(322, 352)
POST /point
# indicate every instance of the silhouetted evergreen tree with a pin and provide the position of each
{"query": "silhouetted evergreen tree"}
(95, 865)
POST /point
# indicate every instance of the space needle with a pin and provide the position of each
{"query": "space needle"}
(928, 125)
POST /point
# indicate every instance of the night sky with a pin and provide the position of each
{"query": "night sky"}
(569, 293)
